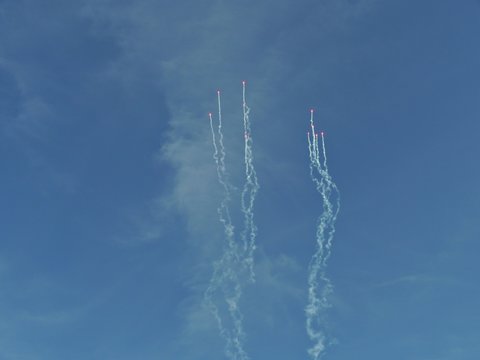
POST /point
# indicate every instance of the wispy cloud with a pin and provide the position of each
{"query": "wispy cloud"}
(192, 53)
(413, 279)
(29, 121)
(215, 44)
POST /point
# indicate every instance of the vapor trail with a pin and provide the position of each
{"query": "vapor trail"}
(319, 285)
(236, 263)
(219, 157)
(249, 193)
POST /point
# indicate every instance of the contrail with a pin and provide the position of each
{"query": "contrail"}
(236, 263)
(319, 285)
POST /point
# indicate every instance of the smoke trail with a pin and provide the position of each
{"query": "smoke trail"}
(319, 285)
(249, 193)
(225, 289)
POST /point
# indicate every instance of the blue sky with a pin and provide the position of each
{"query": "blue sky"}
(109, 190)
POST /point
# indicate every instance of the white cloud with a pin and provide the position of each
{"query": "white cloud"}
(414, 279)
(194, 48)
